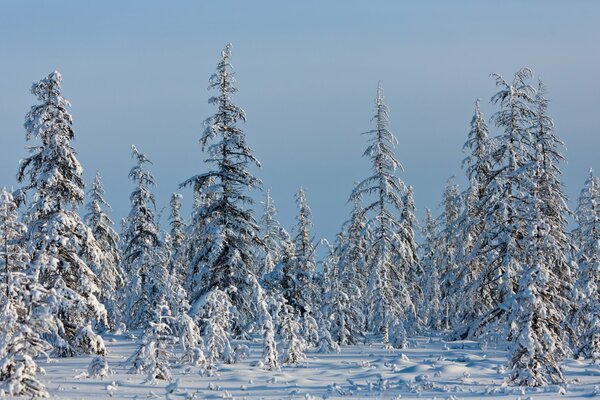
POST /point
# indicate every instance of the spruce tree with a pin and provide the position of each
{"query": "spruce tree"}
(143, 259)
(108, 267)
(431, 310)
(472, 221)
(24, 310)
(388, 293)
(154, 355)
(586, 236)
(506, 206)
(59, 242)
(537, 318)
(272, 235)
(452, 206)
(230, 257)
(303, 293)
(351, 247)
(340, 312)
(176, 239)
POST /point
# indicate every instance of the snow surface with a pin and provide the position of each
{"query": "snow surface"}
(430, 368)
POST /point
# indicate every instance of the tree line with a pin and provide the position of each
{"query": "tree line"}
(499, 264)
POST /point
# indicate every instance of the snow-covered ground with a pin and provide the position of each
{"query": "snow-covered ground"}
(430, 368)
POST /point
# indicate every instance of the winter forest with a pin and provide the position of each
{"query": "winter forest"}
(503, 283)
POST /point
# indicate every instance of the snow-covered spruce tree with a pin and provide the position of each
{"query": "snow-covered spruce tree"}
(176, 238)
(280, 280)
(155, 353)
(270, 353)
(197, 236)
(302, 295)
(169, 271)
(13, 257)
(214, 312)
(175, 220)
(20, 331)
(408, 259)
(388, 294)
(292, 341)
(142, 252)
(107, 267)
(538, 309)
(430, 308)
(340, 313)
(190, 340)
(471, 223)
(554, 207)
(98, 368)
(230, 257)
(586, 236)
(351, 248)
(506, 210)
(19, 348)
(452, 208)
(59, 242)
(272, 235)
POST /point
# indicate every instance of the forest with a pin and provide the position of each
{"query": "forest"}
(506, 265)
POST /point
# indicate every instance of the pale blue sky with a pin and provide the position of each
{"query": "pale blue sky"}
(136, 73)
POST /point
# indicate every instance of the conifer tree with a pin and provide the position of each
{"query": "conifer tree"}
(340, 312)
(175, 221)
(108, 267)
(506, 207)
(471, 223)
(452, 209)
(408, 259)
(351, 247)
(272, 235)
(143, 260)
(230, 257)
(176, 239)
(154, 354)
(59, 242)
(214, 310)
(303, 294)
(431, 308)
(23, 310)
(586, 236)
(537, 310)
(388, 294)
(292, 341)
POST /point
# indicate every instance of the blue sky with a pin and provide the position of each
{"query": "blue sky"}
(136, 73)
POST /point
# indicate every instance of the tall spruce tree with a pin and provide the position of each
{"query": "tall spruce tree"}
(506, 207)
(59, 242)
(431, 308)
(23, 309)
(452, 206)
(229, 259)
(143, 259)
(107, 268)
(351, 247)
(388, 293)
(586, 236)
(176, 239)
(272, 235)
(408, 259)
(471, 223)
(303, 294)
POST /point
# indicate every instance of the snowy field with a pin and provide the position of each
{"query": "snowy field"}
(430, 368)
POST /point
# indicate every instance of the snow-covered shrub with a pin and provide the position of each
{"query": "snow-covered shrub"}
(214, 313)
(99, 368)
(291, 339)
(89, 342)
